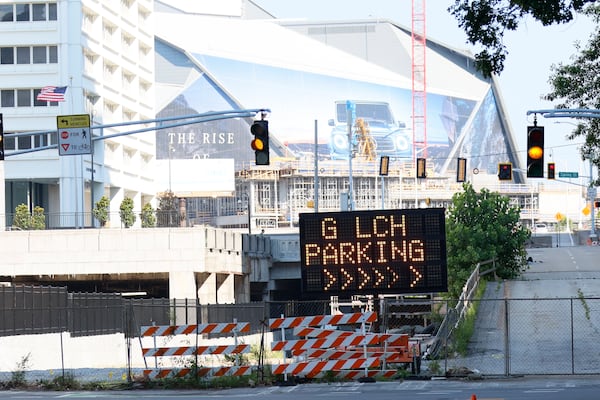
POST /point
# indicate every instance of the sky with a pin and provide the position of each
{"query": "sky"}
(533, 48)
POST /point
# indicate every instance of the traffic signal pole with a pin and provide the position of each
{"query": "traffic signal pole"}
(577, 113)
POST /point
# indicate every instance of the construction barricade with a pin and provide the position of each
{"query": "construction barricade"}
(326, 350)
(189, 354)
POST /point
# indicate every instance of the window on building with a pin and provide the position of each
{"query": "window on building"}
(24, 142)
(52, 54)
(39, 54)
(22, 12)
(38, 11)
(7, 98)
(40, 140)
(7, 55)
(23, 98)
(9, 142)
(6, 13)
(23, 55)
(36, 102)
(52, 12)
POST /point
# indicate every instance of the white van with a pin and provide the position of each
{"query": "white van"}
(540, 228)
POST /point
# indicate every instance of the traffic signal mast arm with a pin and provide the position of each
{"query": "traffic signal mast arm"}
(575, 113)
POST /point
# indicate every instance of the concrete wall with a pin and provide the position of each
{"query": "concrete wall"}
(186, 254)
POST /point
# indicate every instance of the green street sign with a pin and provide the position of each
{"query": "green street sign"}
(568, 174)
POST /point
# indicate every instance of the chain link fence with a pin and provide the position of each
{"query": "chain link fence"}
(507, 337)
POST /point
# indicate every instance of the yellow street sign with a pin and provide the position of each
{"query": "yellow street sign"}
(586, 211)
(73, 121)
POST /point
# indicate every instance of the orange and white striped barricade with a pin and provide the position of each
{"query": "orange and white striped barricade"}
(200, 372)
(310, 369)
(199, 329)
(326, 343)
(195, 350)
(322, 320)
(155, 331)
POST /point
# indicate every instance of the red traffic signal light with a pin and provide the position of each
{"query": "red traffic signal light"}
(551, 170)
(505, 171)
(260, 143)
(535, 151)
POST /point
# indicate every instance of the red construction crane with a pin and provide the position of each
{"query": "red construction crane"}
(419, 73)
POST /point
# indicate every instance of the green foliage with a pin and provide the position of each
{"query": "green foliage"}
(147, 216)
(17, 377)
(168, 210)
(577, 85)
(26, 221)
(22, 219)
(38, 219)
(101, 210)
(479, 227)
(463, 333)
(126, 212)
(485, 21)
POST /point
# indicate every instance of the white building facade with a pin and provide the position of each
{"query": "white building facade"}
(103, 52)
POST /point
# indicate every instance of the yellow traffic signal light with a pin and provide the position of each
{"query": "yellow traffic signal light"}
(535, 151)
(505, 171)
(260, 143)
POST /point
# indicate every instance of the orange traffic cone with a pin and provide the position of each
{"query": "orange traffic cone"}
(473, 397)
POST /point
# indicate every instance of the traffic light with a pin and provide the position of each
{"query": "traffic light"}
(551, 170)
(1, 138)
(260, 143)
(421, 172)
(505, 171)
(461, 170)
(535, 151)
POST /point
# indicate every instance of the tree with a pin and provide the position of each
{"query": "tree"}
(577, 85)
(485, 21)
(168, 210)
(101, 210)
(126, 212)
(479, 227)
(147, 216)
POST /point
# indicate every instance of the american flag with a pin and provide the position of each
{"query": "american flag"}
(52, 93)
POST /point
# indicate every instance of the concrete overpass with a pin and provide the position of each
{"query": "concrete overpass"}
(200, 262)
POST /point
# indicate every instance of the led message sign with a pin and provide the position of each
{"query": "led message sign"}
(373, 252)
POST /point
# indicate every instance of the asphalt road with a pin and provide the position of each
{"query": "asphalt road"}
(516, 389)
(546, 322)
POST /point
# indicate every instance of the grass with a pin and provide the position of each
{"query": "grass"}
(463, 333)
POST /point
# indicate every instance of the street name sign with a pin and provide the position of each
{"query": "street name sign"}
(568, 174)
(74, 135)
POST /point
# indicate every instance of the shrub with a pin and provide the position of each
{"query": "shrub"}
(126, 212)
(147, 216)
(101, 210)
